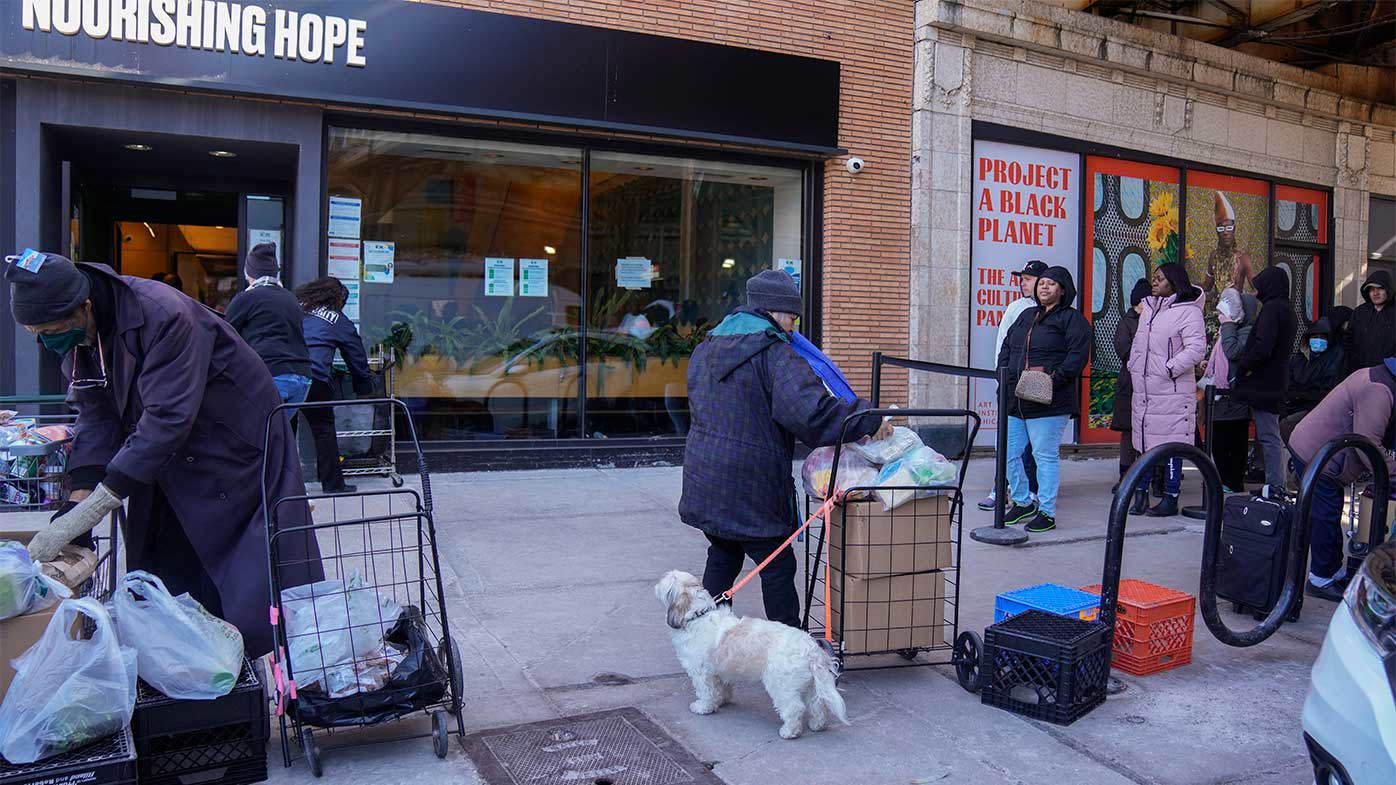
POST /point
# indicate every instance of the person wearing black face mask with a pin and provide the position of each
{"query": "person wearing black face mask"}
(172, 412)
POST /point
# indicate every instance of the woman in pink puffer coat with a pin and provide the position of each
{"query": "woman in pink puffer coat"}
(1170, 342)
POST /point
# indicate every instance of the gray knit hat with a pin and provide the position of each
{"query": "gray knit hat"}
(773, 291)
(261, 261)
(47, 294)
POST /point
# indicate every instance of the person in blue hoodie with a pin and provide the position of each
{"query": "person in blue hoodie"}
(327, 329)
(752, 395)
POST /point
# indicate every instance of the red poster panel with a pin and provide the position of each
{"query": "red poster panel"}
(1134, 212)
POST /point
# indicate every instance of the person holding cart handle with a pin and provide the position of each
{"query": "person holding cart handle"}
(172, 416)
(752, 395)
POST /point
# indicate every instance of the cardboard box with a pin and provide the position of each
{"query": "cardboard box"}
(913, 538)
(888, 614)
(18, 634)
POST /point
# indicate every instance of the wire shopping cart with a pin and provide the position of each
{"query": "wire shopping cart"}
(370, 644)
(884, 583)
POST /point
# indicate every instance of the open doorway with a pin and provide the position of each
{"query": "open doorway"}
(182, 209)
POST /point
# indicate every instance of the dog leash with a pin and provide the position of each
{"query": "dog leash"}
(822, 512)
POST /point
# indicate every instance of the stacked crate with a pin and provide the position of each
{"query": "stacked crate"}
(181, 742)
(1153, 627)
(1050, 598)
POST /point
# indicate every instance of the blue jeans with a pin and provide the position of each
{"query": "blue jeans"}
(1325, 527)
(1173, 477)
(292, 386)
(1045, 435)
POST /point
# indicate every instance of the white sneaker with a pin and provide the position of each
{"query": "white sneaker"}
(987, 503)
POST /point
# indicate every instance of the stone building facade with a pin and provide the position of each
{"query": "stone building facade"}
(1069, 80)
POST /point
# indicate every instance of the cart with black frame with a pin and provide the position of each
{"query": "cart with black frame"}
(894, 589)
(379, 457)
(371, 644)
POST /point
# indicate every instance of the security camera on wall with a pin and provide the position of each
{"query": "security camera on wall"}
(854, 165)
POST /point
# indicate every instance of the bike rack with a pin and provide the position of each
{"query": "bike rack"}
(1292, 596)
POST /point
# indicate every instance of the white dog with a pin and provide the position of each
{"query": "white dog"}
(717, 648)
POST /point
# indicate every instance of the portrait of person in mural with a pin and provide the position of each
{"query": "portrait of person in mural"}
(1227, 265)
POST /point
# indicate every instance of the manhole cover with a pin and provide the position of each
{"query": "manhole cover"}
(618, 747)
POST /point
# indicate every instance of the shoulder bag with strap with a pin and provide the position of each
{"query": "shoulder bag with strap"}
(1035, 384)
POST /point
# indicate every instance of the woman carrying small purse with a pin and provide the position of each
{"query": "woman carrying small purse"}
(1045, 353)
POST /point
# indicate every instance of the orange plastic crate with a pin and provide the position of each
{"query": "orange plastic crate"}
(1153, 627)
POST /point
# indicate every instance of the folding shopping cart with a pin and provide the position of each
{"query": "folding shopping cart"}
(370, 644)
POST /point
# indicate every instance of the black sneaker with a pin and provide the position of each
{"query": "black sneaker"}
(1018, 513)
(1166, 508)
(1042, 523)
(1333, 592)
(1140, 505)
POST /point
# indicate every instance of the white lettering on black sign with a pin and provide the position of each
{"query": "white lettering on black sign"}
(209, 25)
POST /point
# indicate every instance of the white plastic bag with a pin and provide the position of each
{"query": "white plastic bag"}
(334, 623)
(854, 471)
(902, 441)
(68, 693)
(23, 586)
(182, 650)
(922, 467)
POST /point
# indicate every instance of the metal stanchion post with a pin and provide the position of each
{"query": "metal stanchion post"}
(1198, 512)
(998, 534)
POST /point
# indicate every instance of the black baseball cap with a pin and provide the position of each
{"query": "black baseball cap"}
(1033, 268)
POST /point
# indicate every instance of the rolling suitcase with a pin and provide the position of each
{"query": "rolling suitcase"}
(1254, 546)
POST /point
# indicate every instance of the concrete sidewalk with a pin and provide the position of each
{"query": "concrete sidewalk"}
(549, 583)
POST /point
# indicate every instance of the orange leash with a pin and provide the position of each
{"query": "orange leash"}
(822, 512)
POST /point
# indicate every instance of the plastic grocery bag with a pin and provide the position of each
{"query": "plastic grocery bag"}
(68, 693)
(922, 466)
(333, 623)
(902, 441)
(23, 586)
(417, 679)
(854, 471)
(182, 650)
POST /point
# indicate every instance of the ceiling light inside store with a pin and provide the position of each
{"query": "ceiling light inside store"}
(548, 249)
(758, 179)
(1376, 255)
(728, 264)
(644, 168)
(138, 147)
(570, 161)
(222, 153)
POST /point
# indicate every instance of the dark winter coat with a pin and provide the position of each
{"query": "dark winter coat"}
(1264, 372)
(186, 410)
(1124, 385)
(1233, 336)
(1060, 344)
(751, 398)
(327, 330)
(1312, 376)
(1373, 331)
(269, 319)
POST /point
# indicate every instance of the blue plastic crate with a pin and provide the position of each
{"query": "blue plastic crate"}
(1049, 597)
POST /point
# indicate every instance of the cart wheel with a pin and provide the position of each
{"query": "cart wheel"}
(457, 680)
(965, 657)
(908, 654)
(440, 736)
(312, 753)
(396, 480)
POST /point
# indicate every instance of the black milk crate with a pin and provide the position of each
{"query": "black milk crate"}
(188, 742)
(111, 761)
(1045, 666)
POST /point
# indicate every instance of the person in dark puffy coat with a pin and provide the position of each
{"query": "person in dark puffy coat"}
(327, 329)
(1055, 338)
(1373, 323)
(1264, 367)
(1124, 385)
(751, 397)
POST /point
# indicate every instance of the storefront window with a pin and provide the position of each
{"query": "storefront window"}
(1228, 234)
(672, 243)
(1301, 222)
(485, 309)
(482, 305)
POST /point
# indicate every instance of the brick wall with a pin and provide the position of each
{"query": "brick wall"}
(867, 216)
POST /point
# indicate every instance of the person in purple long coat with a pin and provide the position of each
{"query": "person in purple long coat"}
(172, 414)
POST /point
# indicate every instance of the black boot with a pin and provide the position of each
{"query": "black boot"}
(1141, 503)
(1167, 507)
